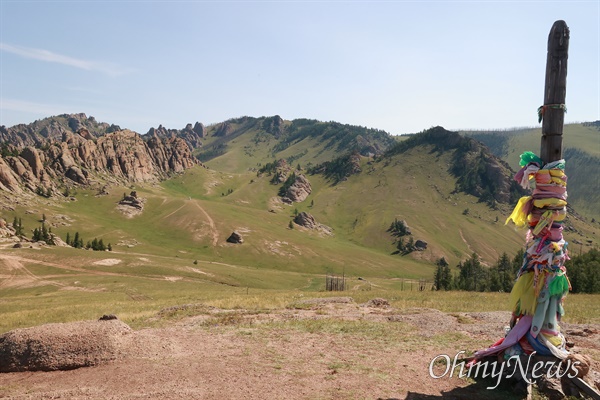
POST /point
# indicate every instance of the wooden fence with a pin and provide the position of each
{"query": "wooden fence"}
(335, 283)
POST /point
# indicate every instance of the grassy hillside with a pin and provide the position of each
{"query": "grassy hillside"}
(581, 150)
(247, 143)
(176, 252)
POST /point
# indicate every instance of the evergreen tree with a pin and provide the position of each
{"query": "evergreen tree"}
(506, 276)
(18, 226)
(446, 276)
(109, 248)
(291, 225)
(288, 182)
(68, 239)
(471, 276)
(44, 234)
(76, 241)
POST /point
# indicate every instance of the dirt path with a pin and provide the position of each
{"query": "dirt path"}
(211, 223)
(465, 241)
(19, 275)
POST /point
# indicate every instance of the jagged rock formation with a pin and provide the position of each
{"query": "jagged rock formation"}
(223, 129)
(83, 158)
(298, 191)
(48, 130)
(190, 135)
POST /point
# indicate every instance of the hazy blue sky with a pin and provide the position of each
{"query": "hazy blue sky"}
(400, 66)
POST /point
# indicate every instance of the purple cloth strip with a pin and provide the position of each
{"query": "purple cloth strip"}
(513, 337)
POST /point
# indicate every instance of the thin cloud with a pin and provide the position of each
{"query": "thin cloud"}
(31, 107)
(109, 69)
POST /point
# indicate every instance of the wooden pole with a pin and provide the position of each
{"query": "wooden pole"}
(553, 109)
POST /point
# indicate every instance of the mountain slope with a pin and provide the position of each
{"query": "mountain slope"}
(246, 143)
(581, 150)
(421, 181)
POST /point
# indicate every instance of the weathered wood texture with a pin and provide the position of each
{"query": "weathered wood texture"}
(555, 92)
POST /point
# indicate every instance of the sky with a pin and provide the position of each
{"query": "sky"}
(398, 66)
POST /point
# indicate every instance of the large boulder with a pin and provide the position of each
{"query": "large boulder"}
(65, 346)
(235, 238)
(420, 245)
(306, 220)
(299, 190)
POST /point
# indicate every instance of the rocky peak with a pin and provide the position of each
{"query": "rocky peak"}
(190, 135)
(273, 125)
(199, 129)
(223, 129)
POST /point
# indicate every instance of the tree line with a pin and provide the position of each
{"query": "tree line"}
(44, 234)
(472, 275)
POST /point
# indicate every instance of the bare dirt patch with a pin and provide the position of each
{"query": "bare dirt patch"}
(108, 262)
(323, 349)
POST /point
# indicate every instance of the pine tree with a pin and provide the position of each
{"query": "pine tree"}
(76, 240)
(446, 276)
(109, 247)
(68, 239)
(291, 225)
(45, 236)
(437, 278)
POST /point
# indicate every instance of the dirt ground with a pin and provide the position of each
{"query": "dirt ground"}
(320, 350)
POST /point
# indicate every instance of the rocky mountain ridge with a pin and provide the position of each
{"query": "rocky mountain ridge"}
(48, 156)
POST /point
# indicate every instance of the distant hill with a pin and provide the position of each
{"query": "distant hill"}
(247, 143)
(581, 150)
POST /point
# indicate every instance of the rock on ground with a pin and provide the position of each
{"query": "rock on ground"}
(65, 346)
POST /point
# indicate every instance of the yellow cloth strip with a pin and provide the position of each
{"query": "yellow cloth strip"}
(522, 297)
(519, 215)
